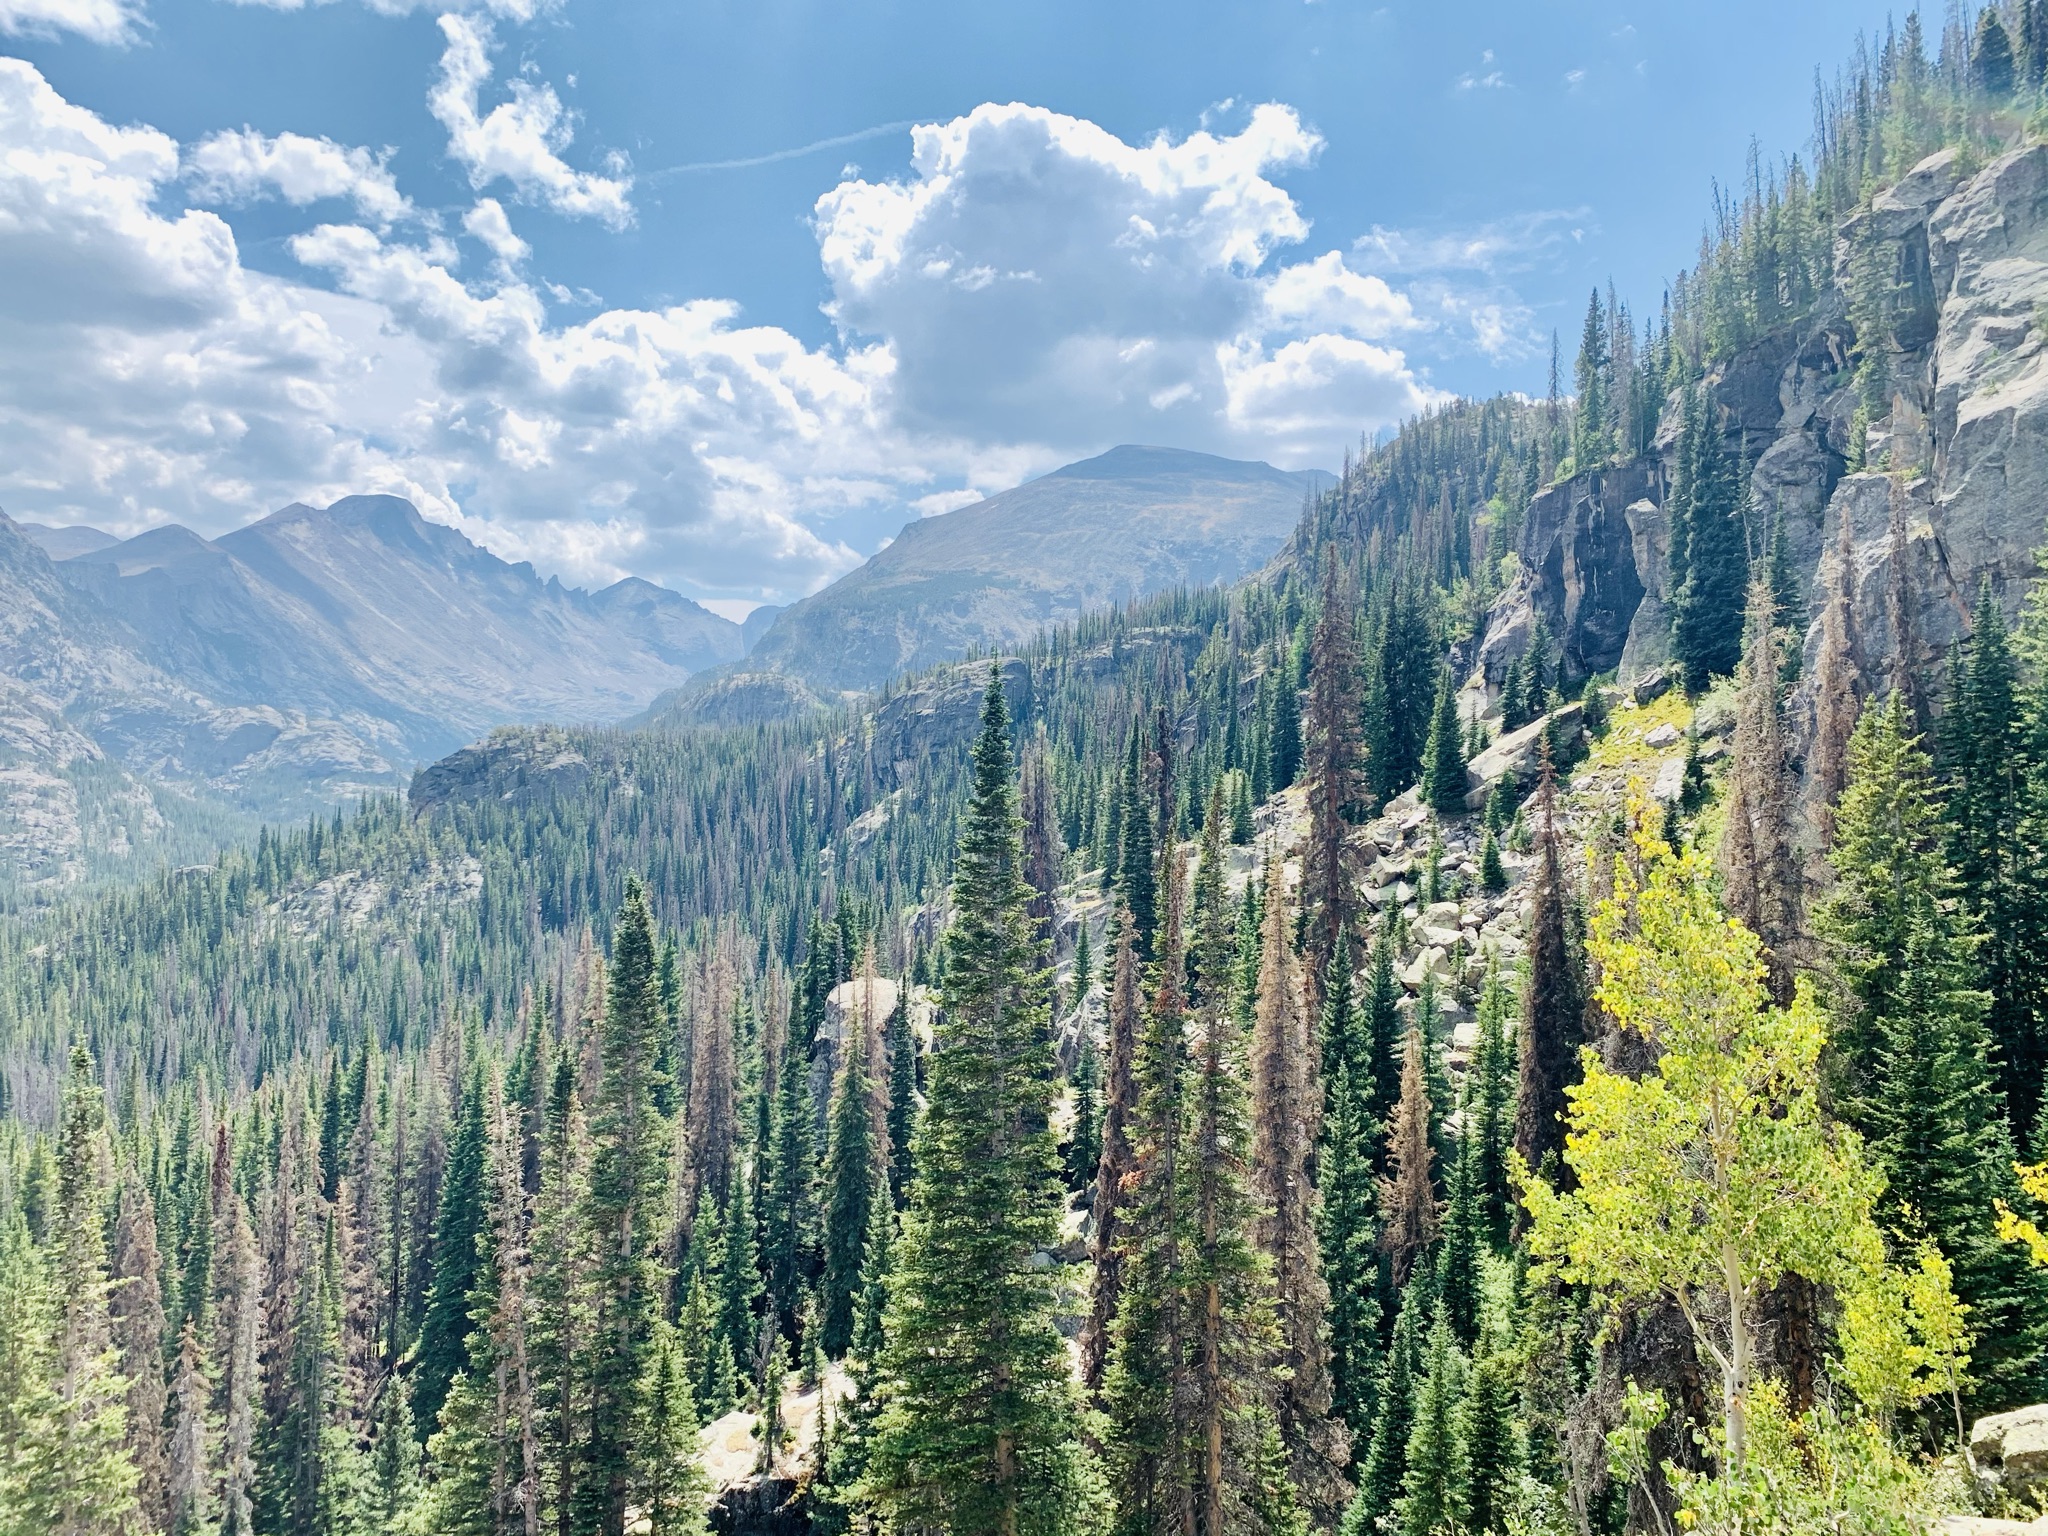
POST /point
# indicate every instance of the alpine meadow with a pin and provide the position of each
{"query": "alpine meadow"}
(1499, 990)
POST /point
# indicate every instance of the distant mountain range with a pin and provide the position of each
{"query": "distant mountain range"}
(158, 694)
(1126, 524)
(161, 684)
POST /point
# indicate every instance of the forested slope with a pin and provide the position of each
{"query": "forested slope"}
(1125, 1085)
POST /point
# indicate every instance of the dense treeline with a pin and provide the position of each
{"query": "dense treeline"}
(446, 1170)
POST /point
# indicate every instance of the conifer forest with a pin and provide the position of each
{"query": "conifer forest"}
(1336, 1053)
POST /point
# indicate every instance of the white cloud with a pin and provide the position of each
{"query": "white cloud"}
(1034, 290)
(1326, 295)
(488, 224)
(519, 141)
(242, 165)
(1039, 280)
(101, 21)
(1484, 78)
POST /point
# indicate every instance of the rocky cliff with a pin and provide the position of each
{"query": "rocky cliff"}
(1955, 488)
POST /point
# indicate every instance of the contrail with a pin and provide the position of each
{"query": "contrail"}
(781, 154)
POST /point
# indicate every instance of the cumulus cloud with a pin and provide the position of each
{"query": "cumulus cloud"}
(487, 223)
(1033, 290)
(101, 21)
(242, 165)
(518, 141)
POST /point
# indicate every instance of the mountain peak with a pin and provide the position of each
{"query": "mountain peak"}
(1137, 461)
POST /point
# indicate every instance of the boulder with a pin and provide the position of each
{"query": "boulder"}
(2011, 1449)
(1662, 735)
(1514, 754)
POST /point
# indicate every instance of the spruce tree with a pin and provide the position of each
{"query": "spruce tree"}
(1136, 878)
(979, 1431)
(1916, 1054)
(1384, 1036)
(902, 1045)
(1433, 1482)
(561, 1293)
(740, 1289)
(625, 1194)
(1386, 1458)
(789, 1188)
(669, 1485)
(1443, 762)
(1146, 1393)
(1330, 862)
(444, 1337)
(1710, 565)
(1120, 1098)
(1491, 1441)
(851, 1161)
(137, 1307)
(1553, 1001)
(1993, 810)
(1408, 1203)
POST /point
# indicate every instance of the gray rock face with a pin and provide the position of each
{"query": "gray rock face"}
(1962, 266)
(1132, 522)
(2011, 1450)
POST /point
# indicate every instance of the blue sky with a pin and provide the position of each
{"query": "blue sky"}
(574, 277)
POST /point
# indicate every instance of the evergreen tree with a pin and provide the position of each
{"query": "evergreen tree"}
(670, 1486)
(72, 1475)
(1136, 877)
(1443, 763)
(1286, 1115)
(1386, 1458)
(625, 1194)
(1120, 1098)
(1384, 1035)
(1433, 1483)
(1084, 1152)
(561, 1293)
(851, 1162)
(1709, 551)
(137, 1308)
(902, 1044)
(789, 1189)
(1283, 728)
(740, 1289)
(979, 1425)
(1493, 1453)
(1916, 1053)
(1991, 62)
(1408, 1202)
(1146, 1393)
(444, 1337)
(1553, 1000)
(1464, 1233)
(1330, 865)
(1993, 813)
(189, 1483)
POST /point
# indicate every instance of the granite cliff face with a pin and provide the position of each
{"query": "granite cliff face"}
(1956, 491)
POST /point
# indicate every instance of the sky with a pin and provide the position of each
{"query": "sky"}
(721, 293)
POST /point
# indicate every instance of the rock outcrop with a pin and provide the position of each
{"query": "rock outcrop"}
(1959, 441)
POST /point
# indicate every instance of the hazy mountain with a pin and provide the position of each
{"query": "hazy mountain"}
(290, 664)
(1131, 522)
(63, 543)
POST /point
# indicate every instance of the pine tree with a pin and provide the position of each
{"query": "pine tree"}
(138, 1322)
(1443, 762)
(1238, 1454)
(237, 1313)
(1330, 863)
(1136, 879)
(669, 1484)
(1286, 1112)
(1837, 682)
(1386, 1458)
(1709, 551)
(486, 1453)
(1385, 1036)
(189, 1483)
(740, 1290)
(1992, 809)
(1283, 728)
(1915, 1052)
(789, 1193)
(1590, 444)
(625, 1194)
(1553, 1001)
(561, 1293)
(1146, 1396)
(902, 1044)
(1762, 880)
(76, 1475)
(851, 1161)
(979, 1428)
(1493, 1454)
(1464, 1233)
(1493, 874)
(444, 1338)
(712, 1116)
(1491, 1117)
(1991, 62)
(1120, 1097)
(1084, 1150)
(1432, 1485)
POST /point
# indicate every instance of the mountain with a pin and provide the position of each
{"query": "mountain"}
(1129, 523)
(63, 543)
(305, 659)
